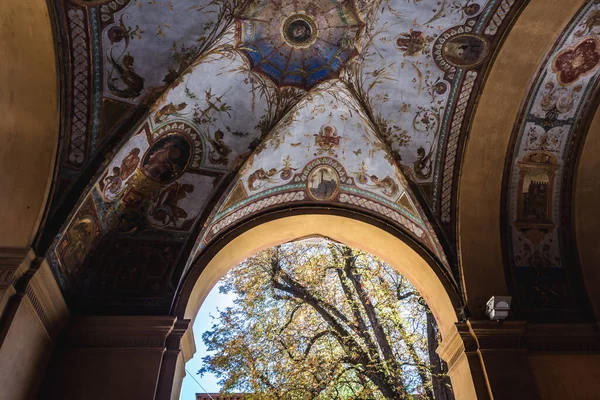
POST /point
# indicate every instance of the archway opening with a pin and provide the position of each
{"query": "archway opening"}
(383, 242)
(314, 318)
(371, 236)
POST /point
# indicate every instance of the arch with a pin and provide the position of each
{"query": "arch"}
(480, 185)
(29, 102)
(355, 230)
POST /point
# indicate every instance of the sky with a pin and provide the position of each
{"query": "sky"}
(213, 301)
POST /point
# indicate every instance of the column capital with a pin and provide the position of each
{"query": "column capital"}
(498, 335)
(13, 264)
(121, 331)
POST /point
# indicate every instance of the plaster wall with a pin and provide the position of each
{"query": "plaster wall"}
(33, 315)
(480, 184)
(24, 354)
(587, 212)
(567, 376)
(29, 123)
(97, 373)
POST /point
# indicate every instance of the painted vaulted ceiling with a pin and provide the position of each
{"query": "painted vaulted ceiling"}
(184, 118)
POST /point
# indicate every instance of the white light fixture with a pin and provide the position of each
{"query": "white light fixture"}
(497, 307)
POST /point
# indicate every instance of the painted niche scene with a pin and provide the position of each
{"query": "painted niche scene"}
(547, 129)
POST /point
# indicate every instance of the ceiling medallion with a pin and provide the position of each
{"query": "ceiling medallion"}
(299, 30)
(298, 48)
(466, 50)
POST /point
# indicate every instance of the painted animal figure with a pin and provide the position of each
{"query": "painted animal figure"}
(260, 175)
(167, 210)
(386, 185)
(220, 152)
(133, 84)
(422, 166)
(167, 111)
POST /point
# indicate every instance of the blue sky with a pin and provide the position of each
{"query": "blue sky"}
(203, 321)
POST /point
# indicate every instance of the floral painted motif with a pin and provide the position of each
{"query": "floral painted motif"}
(573, 62)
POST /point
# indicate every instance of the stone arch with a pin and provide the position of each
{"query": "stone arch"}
(355, 229)
(480, 185)
(586, 210)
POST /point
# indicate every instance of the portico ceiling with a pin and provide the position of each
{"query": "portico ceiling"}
(183, 119)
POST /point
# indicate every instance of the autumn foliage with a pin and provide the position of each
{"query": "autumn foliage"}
(315, 319)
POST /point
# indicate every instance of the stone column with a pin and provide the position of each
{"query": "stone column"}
(180, 349)
(32, 313)
(497, 359)
(503, 351)
(13, 264)
(116, 357)
(459, 351)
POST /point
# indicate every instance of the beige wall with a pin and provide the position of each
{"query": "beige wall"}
(102, 374)
(567, 376)
(29, 118)
(24, 354)
(29, 325)
(587, 212)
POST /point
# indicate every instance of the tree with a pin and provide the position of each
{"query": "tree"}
(315, 319)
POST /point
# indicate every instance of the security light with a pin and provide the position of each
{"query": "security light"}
(497, 307)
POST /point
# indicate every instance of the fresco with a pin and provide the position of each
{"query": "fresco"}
(149, 44)
(399, 80)
(299, 43)
(542, 140)
(162, 178)
(253, 104)
(323, 151)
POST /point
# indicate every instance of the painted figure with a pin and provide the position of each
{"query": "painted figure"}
(130, 163)
(220, 151)
(260, 176)
(465, 50)
(167, 158)
(113, 184)
(411, 43)
(299, 31)
(81, 236)
(327, 140)
(167, 209)
(386, 185)
(535, 201)
(168, 110)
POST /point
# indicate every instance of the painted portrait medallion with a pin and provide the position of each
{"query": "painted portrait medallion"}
(299, 30)
(465, 50)
(167, 158)
(323, 183)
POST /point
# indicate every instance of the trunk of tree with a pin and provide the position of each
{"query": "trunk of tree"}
(389, 385)
(440, 380)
